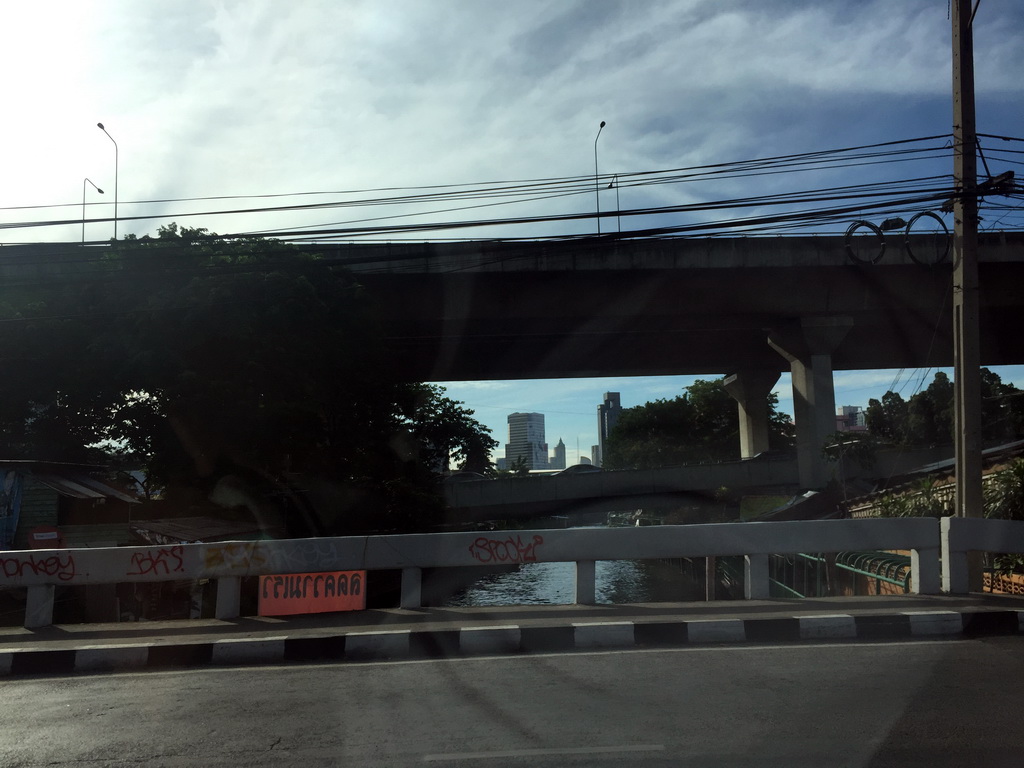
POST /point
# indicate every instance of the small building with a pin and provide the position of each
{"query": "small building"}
(55, 505)
(73, 504)
(851, 418)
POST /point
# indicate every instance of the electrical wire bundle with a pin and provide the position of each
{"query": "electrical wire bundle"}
(421, 214)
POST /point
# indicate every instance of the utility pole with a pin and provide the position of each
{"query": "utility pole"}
(966, 299)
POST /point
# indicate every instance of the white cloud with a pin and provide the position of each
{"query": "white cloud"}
(211, 98)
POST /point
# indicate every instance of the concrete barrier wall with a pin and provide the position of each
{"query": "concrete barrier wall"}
(963, 535)
(445, 550)
(43, 570)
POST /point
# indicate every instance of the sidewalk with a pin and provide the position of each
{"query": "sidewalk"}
(436, 632)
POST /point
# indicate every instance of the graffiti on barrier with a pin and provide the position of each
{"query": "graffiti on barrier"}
(510, 550)
(309, 555)
(306, 585)
(61, 566)
(234, 556)
(299, 593)
(163, 561)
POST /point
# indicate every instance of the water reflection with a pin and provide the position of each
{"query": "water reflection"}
(618, 581)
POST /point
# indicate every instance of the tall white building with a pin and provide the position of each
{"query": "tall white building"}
(526, 440)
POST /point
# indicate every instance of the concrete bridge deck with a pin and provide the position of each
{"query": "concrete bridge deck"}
(462, 311)
(609, 307)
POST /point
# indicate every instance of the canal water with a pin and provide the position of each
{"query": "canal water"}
(618, 581)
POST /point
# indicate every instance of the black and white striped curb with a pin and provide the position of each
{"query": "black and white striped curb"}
(512, 638)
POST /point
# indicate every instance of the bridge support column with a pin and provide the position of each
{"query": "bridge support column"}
(229, 597)
(750, 390)
(809, 348)
(586, 582)
(755, 577)
(412, 588)
(39, 606)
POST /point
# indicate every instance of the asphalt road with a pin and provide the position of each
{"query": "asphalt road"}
(909, 703)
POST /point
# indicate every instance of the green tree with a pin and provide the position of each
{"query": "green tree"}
(927, 418)
(887, 418)
(201, 358)
(519, 467)
(1002, 408)
(445, 431)
(702, 424)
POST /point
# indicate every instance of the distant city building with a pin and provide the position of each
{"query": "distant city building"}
(607, 417)
(501, 464)
(558, 460)
(585, 460)
(595, 456)
(526, 440)
(851, 418)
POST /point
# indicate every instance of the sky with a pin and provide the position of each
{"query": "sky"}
(218, 106)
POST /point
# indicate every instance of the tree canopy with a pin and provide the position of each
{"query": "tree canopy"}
(702, 424)
(927, 417)
(198, 357)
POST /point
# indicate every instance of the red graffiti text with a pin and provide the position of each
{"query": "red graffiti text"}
(510, 550)
(157, 561)
(61, 566)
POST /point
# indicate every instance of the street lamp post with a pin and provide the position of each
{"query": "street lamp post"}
(100, 126)
(597, 188)
(83, 202)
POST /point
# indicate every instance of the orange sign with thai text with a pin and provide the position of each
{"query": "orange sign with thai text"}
(294, 593)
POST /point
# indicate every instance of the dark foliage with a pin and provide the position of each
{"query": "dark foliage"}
(200, 358)
(702, 424)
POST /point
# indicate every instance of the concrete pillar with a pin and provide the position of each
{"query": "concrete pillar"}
(412, 588)
(586, 582)
(755, 577)
(808, 347)
(710, 578)
(750, 390)
(925, 571)
(39, 606)
(229, 597)
(955, 562)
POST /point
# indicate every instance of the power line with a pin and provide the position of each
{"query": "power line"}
(535, 190)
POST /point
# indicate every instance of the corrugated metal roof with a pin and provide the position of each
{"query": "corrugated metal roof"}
(191, 529)
(81, 486)
(97, 535)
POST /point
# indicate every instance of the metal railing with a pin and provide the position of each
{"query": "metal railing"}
(809, 574)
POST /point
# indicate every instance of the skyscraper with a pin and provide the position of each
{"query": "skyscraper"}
(607, 416)
(558, 460)
(526, 440)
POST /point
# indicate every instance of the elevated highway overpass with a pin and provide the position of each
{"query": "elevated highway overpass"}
(666, 488)
(608, 307)
(596, 307)
(751, 307)
(748, 306)
(692, 487)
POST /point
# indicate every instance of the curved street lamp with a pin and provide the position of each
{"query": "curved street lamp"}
(83, 203)
(597, 188)
(100, 126)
